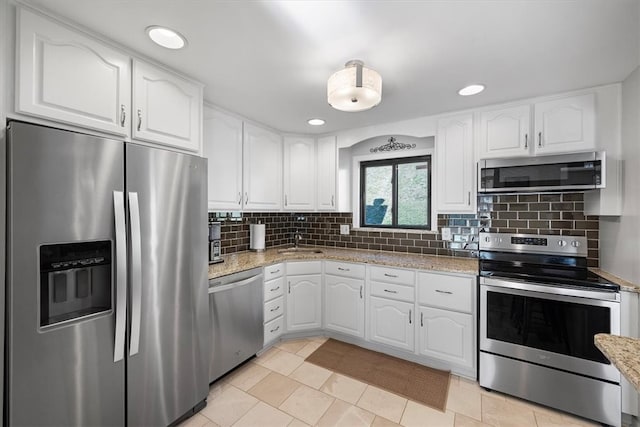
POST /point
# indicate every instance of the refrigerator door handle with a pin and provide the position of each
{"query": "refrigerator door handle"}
(136, 273)
(121, 275)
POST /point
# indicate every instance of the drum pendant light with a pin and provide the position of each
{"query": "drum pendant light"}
(355, 88)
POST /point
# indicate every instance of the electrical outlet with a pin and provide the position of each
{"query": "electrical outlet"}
(446, 234)
(344, 228)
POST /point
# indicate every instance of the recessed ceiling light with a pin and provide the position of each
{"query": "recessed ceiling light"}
(315, 122)
(166, 37)
(471, 90)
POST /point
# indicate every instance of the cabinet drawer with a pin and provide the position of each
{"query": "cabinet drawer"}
(393, 291)
(344, 269)
(304, 267)
(273, 309)
(446, 291)
(273, 271)
(273, 288)
(392, 275)
(273, 329)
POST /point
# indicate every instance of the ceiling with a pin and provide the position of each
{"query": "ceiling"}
(270, 60)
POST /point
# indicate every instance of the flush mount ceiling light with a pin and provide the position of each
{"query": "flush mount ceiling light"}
(355, 88)
(471, 90)
(315, 122)
(166, 37)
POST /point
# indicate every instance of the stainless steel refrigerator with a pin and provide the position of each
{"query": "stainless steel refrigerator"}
(106, 300)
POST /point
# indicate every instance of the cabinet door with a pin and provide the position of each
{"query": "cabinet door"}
(67, 77)
(455, 165)
(565, 125)
(223, 148)
(447, 336)
(326, 171)
(391, 322)
(304, 302)
(299, 173)
(262, 169)
(506, 133)
(167, 108)
(344, 305)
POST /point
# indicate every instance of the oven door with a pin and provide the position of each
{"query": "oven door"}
(538, 324)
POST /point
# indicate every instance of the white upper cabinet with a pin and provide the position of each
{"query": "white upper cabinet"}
(299, 173)
(222, 137)
(455, 165)
(326, 173)
(167, 108)
(262, 169)
(565, 125)
(505, 132)
(559, 126)
(65, 76)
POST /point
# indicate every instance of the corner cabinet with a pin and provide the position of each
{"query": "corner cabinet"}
(222, 146)
(559, 126)
(262, 169)
(65, 76)
(304, 295)
(326, 161)
(455, 165)
(167, 108)
(299, 173)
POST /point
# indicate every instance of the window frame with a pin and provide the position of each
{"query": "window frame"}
(394, 162)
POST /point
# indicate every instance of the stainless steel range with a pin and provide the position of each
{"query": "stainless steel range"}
(539, 309)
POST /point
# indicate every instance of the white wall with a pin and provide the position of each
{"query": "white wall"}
(620, 236)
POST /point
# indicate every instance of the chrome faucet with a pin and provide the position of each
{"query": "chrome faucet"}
(297, 236)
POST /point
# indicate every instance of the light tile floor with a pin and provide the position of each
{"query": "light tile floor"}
(280, 389)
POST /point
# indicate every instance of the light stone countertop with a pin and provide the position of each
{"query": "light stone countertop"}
(625, 285)
(624, 353)
(240, 261)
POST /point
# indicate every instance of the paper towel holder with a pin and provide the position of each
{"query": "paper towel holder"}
(257, 233)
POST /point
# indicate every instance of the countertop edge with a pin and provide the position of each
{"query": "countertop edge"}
(623, 353)
(625, 285)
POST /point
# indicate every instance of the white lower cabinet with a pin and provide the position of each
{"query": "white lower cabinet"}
(446, 335)
(304, 296)
(273, 302)
(392, 322)
(344, 305)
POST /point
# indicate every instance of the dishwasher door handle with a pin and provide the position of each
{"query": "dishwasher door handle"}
(244, 282)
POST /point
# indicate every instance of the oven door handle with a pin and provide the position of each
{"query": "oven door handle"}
(553, 290)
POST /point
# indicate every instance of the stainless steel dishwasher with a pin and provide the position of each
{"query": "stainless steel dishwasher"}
(236, 313)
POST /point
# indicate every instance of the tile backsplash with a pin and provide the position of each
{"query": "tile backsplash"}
(541, 213)
(323, 229)
(536, 213)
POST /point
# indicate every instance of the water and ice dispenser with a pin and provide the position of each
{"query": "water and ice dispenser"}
(75, 281)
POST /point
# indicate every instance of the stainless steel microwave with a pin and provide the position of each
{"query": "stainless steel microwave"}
(580, 171)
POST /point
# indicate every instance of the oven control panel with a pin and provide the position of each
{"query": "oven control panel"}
(533, 243)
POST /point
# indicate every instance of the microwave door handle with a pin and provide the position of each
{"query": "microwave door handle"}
(121, 276)
(136, 273)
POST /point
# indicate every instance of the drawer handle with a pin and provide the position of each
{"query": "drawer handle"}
(391, 292)
(275, 289)
(443, 292)
(275, 309)
(390, 275)
(343, 269)
(273, 330)
(275, 271)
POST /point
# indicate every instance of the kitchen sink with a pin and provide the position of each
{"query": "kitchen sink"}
(291, 251)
